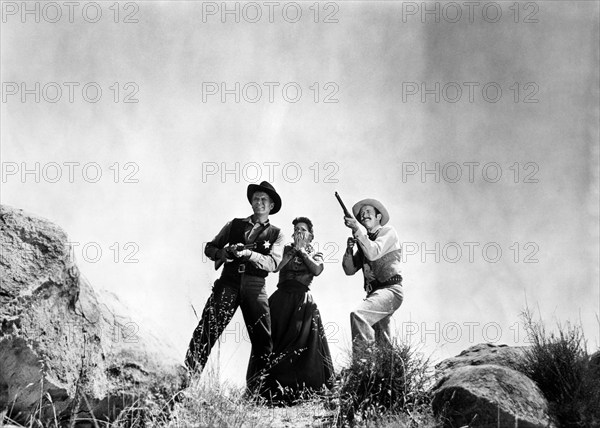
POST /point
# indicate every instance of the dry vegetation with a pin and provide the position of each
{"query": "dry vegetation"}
(359, 399)
(558, 362)
(379, 388)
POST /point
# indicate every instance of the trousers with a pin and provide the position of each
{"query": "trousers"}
(247, 292)
(370, 321)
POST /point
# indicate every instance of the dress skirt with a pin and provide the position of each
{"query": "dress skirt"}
(301, 362)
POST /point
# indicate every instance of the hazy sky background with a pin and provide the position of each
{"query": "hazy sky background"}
(360, 146)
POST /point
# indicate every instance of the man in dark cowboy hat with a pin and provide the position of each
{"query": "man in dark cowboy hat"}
(242, 282)
(379, 255)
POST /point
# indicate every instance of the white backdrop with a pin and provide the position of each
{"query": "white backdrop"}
(366, 106)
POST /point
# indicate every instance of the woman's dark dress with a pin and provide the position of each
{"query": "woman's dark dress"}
(301, 359)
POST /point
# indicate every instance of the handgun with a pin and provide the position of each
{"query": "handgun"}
(234, 247)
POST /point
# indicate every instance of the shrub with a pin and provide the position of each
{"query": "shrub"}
(560, 365)
(382, 382)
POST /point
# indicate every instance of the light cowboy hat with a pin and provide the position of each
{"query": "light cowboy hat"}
(385, 216)
(268, 188)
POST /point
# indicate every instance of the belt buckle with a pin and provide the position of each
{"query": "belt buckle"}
(241, 268)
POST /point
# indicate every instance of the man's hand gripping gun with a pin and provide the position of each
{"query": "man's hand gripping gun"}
(229, 252)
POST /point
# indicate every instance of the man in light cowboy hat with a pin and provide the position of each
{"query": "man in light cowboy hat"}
(242, 281)
(379, 255)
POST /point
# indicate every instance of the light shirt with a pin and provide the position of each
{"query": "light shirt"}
(380, 257)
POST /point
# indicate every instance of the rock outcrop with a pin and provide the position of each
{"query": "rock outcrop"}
(481, 387)
(65, 348)
(485, 353)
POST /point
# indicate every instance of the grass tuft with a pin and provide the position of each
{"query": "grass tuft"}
(559, 364)
(386, 385)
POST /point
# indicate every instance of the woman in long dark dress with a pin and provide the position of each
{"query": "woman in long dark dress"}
(301, 360)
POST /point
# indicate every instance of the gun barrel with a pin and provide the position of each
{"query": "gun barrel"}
(346, 212)
(241, 247)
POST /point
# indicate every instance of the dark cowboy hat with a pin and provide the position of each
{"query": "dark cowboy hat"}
(385, 216)
(268, 188)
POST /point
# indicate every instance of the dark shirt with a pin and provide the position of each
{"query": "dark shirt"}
(268, 262)
(294, 267)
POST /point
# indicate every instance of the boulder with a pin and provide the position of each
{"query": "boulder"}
(491, 396)
(66, 349)
(485, 353)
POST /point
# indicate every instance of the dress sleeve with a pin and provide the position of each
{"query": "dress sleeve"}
(287, 256)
